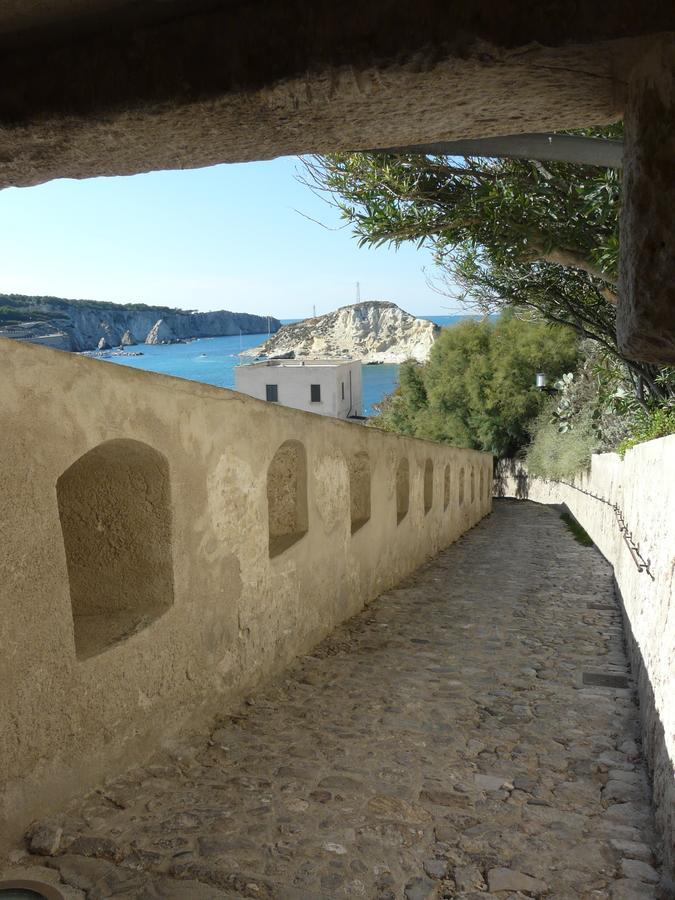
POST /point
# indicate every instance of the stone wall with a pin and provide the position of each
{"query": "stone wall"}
(643, 487)
(113, 87)
(164, 545)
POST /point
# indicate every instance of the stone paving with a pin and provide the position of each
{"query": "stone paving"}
(441, 744)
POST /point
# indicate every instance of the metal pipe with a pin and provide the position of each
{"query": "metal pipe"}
(587, 151)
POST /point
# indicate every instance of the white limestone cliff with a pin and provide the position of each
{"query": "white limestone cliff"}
(160, 333)
(373, 331)
(80, 325)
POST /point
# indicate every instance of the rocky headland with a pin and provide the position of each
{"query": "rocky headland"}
(375, 331)
(81, 325)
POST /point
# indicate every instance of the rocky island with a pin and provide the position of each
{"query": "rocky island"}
(375, 331)
(81, 325)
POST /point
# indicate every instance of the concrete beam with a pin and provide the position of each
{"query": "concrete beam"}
(646, 308)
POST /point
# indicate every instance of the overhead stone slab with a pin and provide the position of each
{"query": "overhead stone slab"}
(106, 88)
(646, 308)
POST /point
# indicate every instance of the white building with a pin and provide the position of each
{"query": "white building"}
(331, 387)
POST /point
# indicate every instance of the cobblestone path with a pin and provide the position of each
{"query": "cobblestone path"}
(440, 744)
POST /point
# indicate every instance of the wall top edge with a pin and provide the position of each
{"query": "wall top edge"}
(27, 357)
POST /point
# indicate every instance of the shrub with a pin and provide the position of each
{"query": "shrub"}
(477, 389)
(557, 455)
(648, 426)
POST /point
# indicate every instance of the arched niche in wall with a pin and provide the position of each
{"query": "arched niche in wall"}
(402, 489)
(446, 487)
(428, 486)
(460, 487)
(287, 497)
(115, 510)
(359, 489)
(472, 479)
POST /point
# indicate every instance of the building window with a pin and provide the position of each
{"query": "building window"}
(315, 393)
(342, 385)
(272, 393)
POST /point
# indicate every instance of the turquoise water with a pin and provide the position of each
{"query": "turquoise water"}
(212, 361)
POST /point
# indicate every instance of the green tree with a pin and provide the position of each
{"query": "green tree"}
(535, 237)
(477, 389)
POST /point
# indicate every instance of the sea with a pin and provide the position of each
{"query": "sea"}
(213, 360)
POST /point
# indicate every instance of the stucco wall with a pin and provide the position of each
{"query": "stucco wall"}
(227, 613)
(643, 486)
(293, 381)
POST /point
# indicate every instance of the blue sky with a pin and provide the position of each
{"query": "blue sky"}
(227, 237)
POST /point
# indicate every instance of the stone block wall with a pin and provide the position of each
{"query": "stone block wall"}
(164, 545)
(643, 487)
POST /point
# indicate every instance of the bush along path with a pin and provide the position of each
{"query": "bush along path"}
(473, 733)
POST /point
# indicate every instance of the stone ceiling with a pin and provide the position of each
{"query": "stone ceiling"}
(101, 87)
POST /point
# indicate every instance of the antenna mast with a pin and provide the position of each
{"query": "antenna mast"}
(358, 292)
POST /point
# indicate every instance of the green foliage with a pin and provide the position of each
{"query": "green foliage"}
(517, 209)
(27, 308)
(412, 386)
(648, 426)
(10, 315)
(477, 389)
(594, 411)
(598, 389)
(539, 237)
(580, 536)
(560, 455)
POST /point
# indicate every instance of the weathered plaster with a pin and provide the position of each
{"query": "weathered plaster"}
(358, 465)
(646, 311)
(643, 486)
(237, 614)
(115, 512)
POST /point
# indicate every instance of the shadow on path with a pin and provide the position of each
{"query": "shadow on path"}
(440, 744)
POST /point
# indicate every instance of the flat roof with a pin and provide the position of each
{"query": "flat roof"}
(298, 363)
